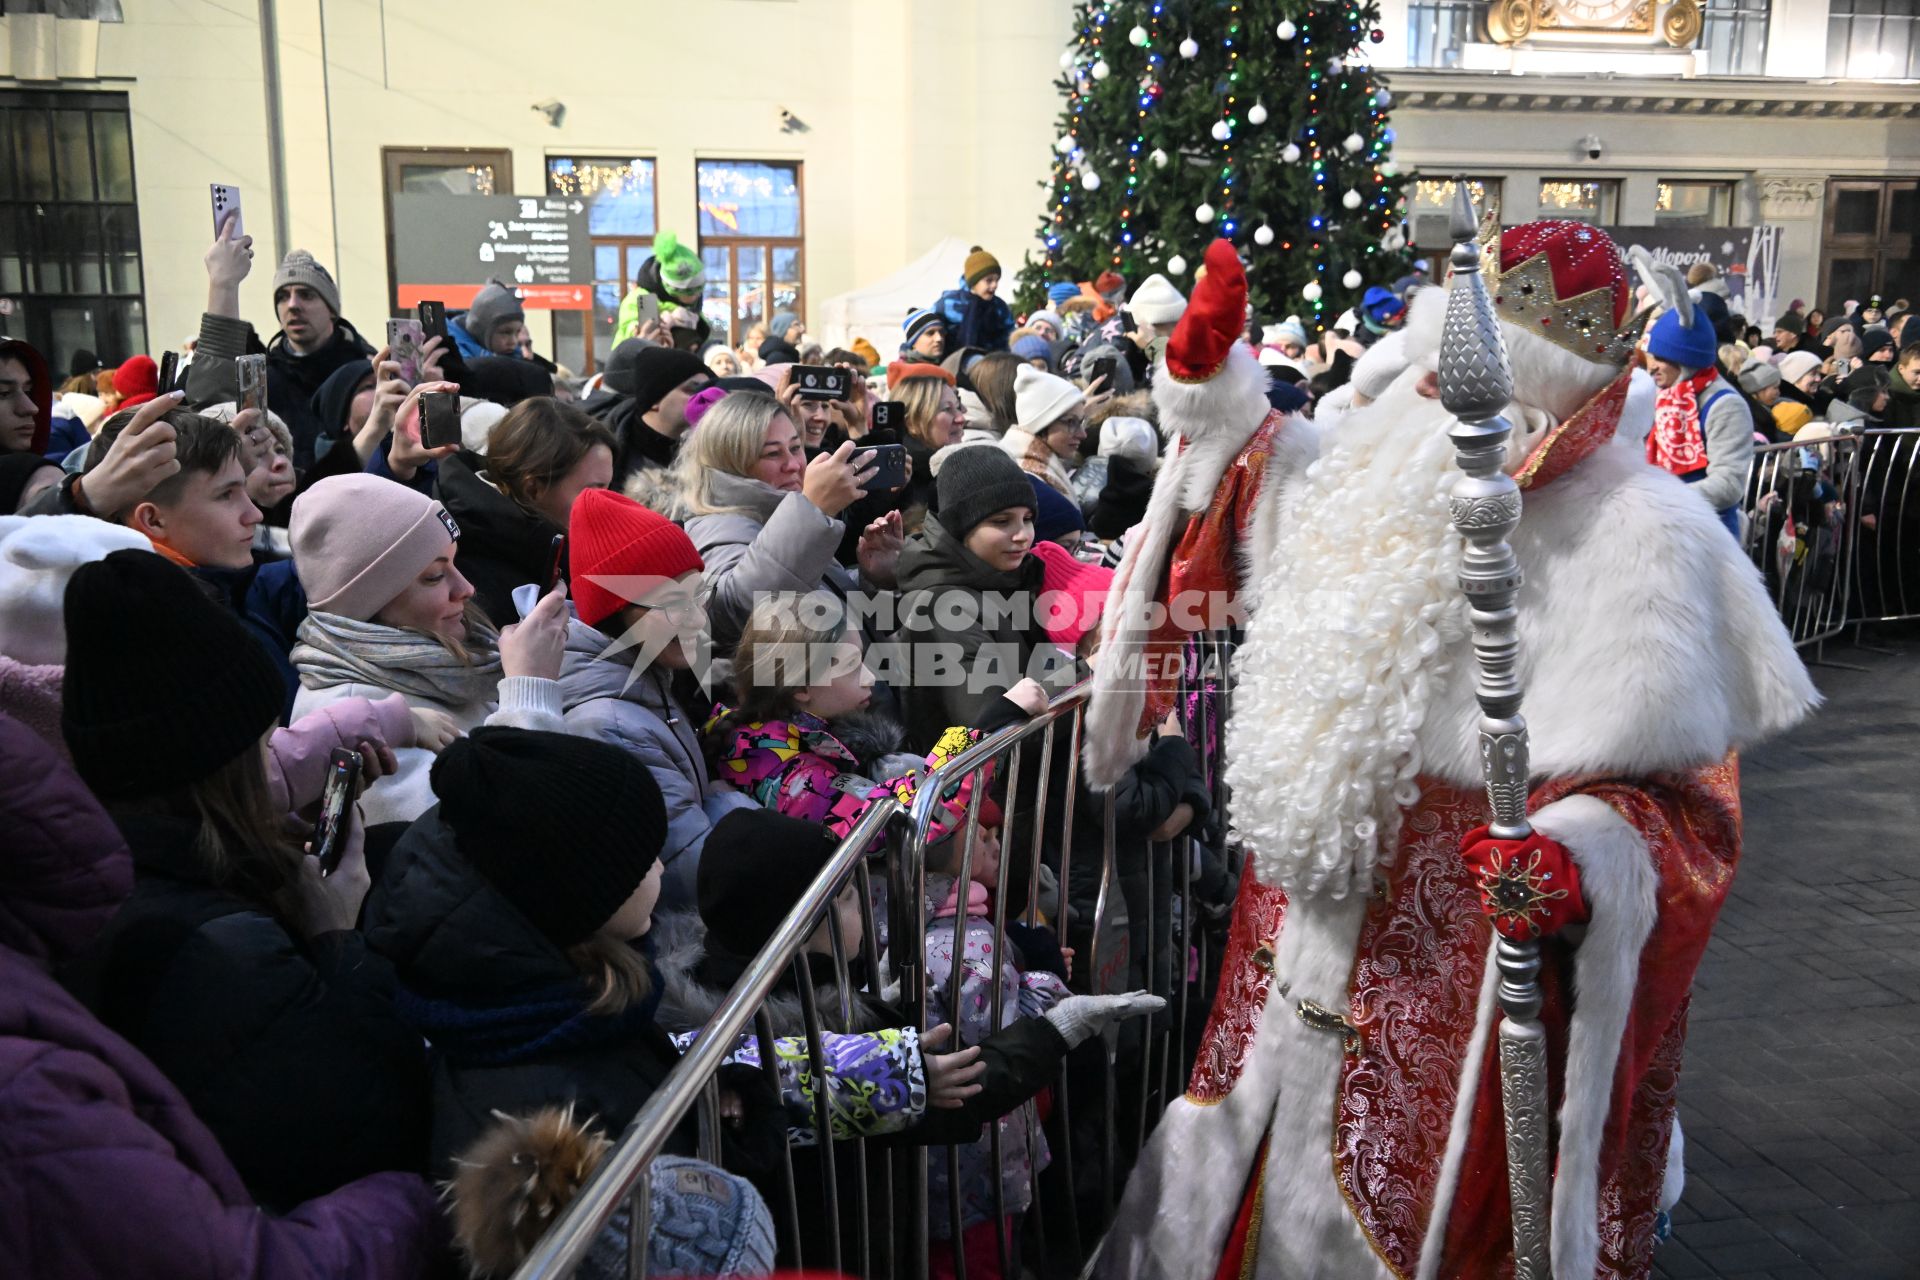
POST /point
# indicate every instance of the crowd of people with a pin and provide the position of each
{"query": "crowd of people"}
(622, 666)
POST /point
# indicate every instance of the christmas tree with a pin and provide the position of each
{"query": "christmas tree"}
(1257, 120)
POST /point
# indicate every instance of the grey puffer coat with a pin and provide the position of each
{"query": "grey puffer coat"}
(640, 716)
(792, 550)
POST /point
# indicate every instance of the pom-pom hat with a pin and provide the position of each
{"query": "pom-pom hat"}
(1214, 319)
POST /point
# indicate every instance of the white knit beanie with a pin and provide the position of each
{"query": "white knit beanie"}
(1157, 302)
(1039, 398)
(1131, 438)
(37, 556)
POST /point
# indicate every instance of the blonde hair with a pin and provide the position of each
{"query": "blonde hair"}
(775, 657)
(614, 971)
(922, 398)
(1734, 356)
(729, 440)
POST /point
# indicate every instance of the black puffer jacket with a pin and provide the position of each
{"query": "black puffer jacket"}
(502, 544)
(472, 966)
(941, 582)
(290, 1050)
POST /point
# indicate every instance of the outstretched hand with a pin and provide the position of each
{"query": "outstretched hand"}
(950, 1076)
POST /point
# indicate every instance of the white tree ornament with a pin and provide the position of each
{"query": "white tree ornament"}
(1263, 234)
(1177, 265)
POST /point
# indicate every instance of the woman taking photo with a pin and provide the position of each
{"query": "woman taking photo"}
(935, 419)
(235, 965)
(512, 503)
(390, 613)
(764, 519)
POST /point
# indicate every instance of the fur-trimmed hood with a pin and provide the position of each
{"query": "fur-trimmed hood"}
(690, 997)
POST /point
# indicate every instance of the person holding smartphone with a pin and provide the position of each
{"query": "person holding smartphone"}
(231, 937)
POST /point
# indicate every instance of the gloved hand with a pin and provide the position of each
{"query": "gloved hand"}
(1528, 888)
(1080, 1018)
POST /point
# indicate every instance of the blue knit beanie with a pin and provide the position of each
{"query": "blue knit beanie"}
(917, 323)
(1034, 347)
(1060, 291)
(1054, 514)
(1694, 347)
(1381, 305)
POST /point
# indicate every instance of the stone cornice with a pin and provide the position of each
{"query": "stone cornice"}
(1424, 90)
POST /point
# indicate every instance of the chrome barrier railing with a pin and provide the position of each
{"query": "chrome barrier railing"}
(1885, 515)
(622, 1182)
(1133, 924)
(1801, 526)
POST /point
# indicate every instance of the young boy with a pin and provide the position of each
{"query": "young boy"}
(972, 315)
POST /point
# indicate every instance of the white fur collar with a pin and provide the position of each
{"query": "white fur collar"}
(1647, 639)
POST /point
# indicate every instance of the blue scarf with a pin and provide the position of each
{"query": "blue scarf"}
(532, 1023)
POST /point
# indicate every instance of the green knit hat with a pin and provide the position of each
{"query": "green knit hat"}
(680, 267)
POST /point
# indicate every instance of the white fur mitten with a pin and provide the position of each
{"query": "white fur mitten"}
(1080, 1018)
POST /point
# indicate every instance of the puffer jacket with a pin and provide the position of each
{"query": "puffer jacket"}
(959, 667)
(287, 1046)
(604, 700)
(105, 1170)
(502, 544)
(791, 551)
(291, 378)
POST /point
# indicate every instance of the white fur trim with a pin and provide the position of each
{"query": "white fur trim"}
(1232, 399)
(1618, 879)
(1434, 1242)
(1186, 1190)
(1673, 1183)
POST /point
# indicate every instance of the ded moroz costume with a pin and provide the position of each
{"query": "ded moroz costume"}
(1343, 1117)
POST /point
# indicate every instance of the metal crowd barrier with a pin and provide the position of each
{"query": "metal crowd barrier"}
(1885, 515)
(1801, 528)
(1138, 929)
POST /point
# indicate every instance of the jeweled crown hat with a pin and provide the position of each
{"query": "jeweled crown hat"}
(1566, 282)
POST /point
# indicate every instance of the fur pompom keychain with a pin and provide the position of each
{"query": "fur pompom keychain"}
(515, 1181)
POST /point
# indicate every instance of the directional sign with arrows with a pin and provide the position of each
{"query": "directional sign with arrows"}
(447, 247)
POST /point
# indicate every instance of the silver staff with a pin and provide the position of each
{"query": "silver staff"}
(1476, 386)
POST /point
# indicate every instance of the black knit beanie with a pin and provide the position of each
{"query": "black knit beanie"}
(754, 868)
(163, 686)
(565, 828)
(647, 372)
(977, 481)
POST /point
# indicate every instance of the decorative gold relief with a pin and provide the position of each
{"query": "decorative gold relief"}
(1681, 25)
(1510, 21)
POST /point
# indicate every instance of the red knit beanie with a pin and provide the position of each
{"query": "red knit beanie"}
(900, 370)
(137, 381)
(610, 536)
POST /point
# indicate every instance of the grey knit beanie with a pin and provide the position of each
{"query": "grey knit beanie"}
(299, 267)
(492, 307)
(976, 481)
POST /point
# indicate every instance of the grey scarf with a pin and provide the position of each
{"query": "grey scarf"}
(334, 650)
(743, 495)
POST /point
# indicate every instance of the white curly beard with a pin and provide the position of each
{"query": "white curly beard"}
(1359, 610)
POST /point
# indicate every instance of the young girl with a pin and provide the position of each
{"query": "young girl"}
(624, 656)
(800, 740)
(235, 966)
(390, 613)
(987, 959)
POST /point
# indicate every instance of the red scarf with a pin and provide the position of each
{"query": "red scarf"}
(1678, 442)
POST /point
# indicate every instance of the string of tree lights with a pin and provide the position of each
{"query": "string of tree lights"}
(1257, 120)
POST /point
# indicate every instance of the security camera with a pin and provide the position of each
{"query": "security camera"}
(1592, 146)
(792, 123)
(554, 110)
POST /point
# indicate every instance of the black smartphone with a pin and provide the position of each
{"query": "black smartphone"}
(892, 467)
(822, 382)
(330, 831)
(439, 418)
(433, 322)
(890, 415)
(169, 371)
(1102, 368)
(556, 561)
(250, 373)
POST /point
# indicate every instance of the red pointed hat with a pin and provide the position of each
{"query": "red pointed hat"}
(1215, 317)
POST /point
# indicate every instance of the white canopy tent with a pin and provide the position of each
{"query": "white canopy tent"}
(876, 311)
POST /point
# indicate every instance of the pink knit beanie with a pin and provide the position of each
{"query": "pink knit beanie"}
(1073, 594)
(358, 540)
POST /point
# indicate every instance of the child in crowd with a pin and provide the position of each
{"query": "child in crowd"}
(392, 614)
(987, 959)
(801, 740)
(235, 966)
(639, 627)
(972, 315)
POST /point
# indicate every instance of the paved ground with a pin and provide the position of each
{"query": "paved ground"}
(1801, 1092)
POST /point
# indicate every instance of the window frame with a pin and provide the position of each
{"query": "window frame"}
(632, 250)
(1607, 215)
(24, 220)
(1886, 243)
(766, 244)
(1844, 47)
(1722, 216)
(1737, 18)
